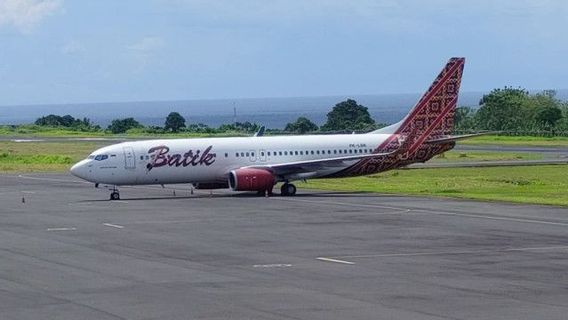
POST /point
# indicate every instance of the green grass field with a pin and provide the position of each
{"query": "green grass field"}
(530, 184)
(18, 157)
(518, 141)
(465, 156)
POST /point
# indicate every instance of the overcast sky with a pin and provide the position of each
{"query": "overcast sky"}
(64, 51)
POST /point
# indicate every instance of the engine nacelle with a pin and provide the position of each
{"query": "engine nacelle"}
(250, 179)
(211, 185)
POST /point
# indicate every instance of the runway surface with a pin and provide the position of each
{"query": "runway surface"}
(68, 253)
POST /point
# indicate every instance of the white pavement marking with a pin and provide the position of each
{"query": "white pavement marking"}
(415, 254)
(29, 192)
(61, 229)
(118, 201)
(113, 225)
(275, 265)
(335, 260)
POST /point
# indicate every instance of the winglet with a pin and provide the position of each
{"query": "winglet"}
(260, 132)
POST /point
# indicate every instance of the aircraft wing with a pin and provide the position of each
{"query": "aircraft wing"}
(316, 165)
(450, 138)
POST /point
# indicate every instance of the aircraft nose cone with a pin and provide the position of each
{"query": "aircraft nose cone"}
(80, 169)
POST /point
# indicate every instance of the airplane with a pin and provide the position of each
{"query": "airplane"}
(257, 163)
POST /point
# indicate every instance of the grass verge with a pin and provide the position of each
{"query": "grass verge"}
(43, 156)
(518, 141)
(529, 184)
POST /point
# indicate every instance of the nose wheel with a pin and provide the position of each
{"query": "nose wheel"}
(288, 189)
(114, 195)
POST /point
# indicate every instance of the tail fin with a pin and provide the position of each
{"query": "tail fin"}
(429, 121)
(433, 115)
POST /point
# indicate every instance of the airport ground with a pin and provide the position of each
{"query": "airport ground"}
(67, 252)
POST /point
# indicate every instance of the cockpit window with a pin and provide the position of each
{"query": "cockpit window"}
(101, 157)
(91, 157)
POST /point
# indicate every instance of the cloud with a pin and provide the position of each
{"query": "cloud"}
(146, 45)
(145, 51)
(26, 15)
(72, 47)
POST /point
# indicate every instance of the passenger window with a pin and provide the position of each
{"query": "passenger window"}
(285, 153)
(345, 151)
(226, 155)
(350, 151)
(296, 152)
(301, 152)
(312, 151)
(360, 151)
(339, 151)
(279, 153)
(248, 154)
(318, 152)
(237, 154)
(141, 157)
(262, 154)
(328, 151)
(334, 151)
(147, 157)
(355, 151)
(269, 153)
(252, 154)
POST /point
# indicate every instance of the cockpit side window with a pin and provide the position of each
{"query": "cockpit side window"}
(101, 157)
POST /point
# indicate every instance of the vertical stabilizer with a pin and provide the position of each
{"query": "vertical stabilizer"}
(433, 115)
(431, 119)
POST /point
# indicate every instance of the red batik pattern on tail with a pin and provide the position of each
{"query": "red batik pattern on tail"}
(433, 116)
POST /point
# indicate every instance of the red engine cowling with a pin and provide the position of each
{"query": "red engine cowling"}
(250, 179)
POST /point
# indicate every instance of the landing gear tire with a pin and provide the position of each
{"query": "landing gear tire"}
(114, 195)
(288, 189)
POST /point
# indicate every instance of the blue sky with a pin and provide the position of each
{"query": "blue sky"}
(66, 51)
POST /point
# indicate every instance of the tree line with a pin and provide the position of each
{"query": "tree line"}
(515, 110)
(509, 110)
(347, 115)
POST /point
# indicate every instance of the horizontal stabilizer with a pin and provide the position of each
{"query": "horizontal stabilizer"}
(446, 139)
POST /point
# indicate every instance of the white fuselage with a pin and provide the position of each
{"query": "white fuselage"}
(209, 160)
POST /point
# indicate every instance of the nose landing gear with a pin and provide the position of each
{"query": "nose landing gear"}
(114, 195)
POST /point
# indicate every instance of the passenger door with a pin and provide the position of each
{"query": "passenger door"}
(129, 158)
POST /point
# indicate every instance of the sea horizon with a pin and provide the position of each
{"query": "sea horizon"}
(274, 113)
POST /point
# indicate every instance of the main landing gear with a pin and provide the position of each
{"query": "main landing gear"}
(114, 195)
(288, 189)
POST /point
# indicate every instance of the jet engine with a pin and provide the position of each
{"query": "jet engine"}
(250, 179)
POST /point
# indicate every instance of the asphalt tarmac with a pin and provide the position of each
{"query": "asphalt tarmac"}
(66, 252)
